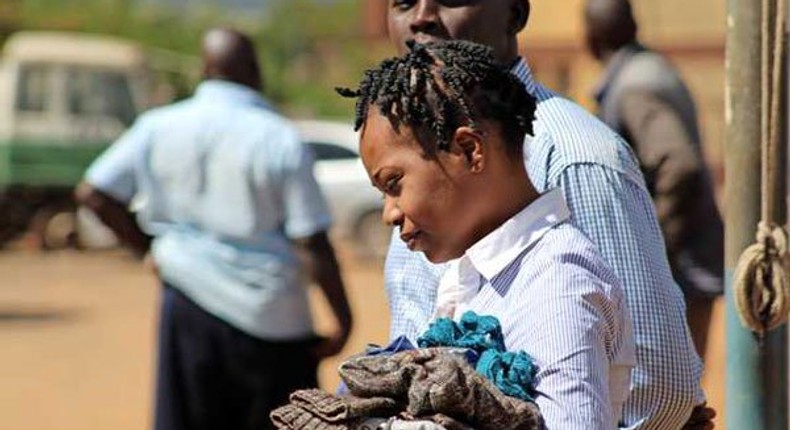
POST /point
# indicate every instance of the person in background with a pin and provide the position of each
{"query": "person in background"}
(642, 97)
(226, 203)
(608, 201)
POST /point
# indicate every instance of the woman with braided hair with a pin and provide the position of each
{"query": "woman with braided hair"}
(442, 137)
(607, 197)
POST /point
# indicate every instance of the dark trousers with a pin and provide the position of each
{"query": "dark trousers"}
(699, 311)
(212, 376)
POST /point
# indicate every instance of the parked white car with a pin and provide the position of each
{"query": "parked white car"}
(354, 203)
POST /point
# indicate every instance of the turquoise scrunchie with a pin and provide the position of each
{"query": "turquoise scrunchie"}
(512, 372)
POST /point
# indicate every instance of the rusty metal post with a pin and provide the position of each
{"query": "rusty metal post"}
(756, 372)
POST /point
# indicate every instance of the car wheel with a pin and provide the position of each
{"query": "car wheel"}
(373, 236)
(54, 228)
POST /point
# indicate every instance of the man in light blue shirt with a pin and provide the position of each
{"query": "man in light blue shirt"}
(225, 188)
(608, 201)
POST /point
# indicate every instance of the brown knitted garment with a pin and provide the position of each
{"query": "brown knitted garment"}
(430, 382)
(334, 409)
(290, 417)
(315, 409)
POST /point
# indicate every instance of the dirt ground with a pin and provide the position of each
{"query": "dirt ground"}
(77, 334)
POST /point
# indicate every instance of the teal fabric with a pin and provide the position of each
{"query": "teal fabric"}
(512, 372)
(477, 332)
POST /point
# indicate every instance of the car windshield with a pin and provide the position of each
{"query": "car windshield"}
(329, 151)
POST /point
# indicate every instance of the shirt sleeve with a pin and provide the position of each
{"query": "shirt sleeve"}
(617, 214)
(570, 348)
(306, 211)
(114, 171)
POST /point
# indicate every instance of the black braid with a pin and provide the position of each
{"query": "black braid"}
(438, 87)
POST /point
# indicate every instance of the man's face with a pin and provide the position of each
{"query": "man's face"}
(427, 198)
(591, 38)
(488, 22)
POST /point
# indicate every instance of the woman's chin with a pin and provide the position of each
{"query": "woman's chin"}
(441, 257)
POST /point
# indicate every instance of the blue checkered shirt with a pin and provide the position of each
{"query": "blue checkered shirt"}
(606, 194)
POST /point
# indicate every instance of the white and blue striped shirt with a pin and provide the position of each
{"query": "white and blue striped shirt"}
(605, 191)
(558, 301)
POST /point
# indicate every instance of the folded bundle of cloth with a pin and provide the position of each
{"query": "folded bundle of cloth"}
(430, 385)
(431, 381)
(460, 379)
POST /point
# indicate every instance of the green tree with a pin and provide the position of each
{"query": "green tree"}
(306, 47)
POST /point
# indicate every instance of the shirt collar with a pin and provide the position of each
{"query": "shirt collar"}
(215, 89)
(521, 69)
(493, 253)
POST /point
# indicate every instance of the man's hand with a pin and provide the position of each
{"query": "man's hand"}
(701, 418)
(319, 257)
(331, 346)
(115, 215)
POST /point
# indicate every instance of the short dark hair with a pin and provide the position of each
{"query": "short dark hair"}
(437, 87)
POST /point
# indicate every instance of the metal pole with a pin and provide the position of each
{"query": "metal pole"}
(756, 372)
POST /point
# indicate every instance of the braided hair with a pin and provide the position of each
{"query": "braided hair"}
(437, 87)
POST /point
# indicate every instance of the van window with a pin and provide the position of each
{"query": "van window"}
(99, 92)
(33, 88)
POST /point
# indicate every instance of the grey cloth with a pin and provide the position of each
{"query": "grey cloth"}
(432, 382)
(642, 97)
(397, 424)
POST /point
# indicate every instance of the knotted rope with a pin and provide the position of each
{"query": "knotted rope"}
(762, 275)
(762, 284)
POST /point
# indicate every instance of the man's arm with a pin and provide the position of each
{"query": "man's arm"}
(115, 215)
(669, 159)
(111, 183)
(319, 255)
(307, 220)
(617, 213)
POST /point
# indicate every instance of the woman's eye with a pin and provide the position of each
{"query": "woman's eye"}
(402, 4)
(391, 186)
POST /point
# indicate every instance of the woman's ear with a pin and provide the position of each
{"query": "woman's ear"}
(469, 143)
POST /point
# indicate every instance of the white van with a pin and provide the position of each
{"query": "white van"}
(63, 98)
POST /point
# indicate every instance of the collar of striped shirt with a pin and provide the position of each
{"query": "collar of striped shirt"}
(521, 69)
(493, 253)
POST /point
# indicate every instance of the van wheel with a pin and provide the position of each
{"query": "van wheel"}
(373, 236)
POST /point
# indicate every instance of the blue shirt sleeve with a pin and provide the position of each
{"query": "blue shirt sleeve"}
(114, 171)
(617, 214)
(306, 211)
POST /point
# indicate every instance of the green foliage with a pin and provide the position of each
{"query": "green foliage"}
(306, 47)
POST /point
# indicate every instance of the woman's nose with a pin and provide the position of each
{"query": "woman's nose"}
(391, 214)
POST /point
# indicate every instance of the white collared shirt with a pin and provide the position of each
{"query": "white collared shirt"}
(558, 301)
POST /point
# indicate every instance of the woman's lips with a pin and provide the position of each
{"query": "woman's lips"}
(410, 239)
